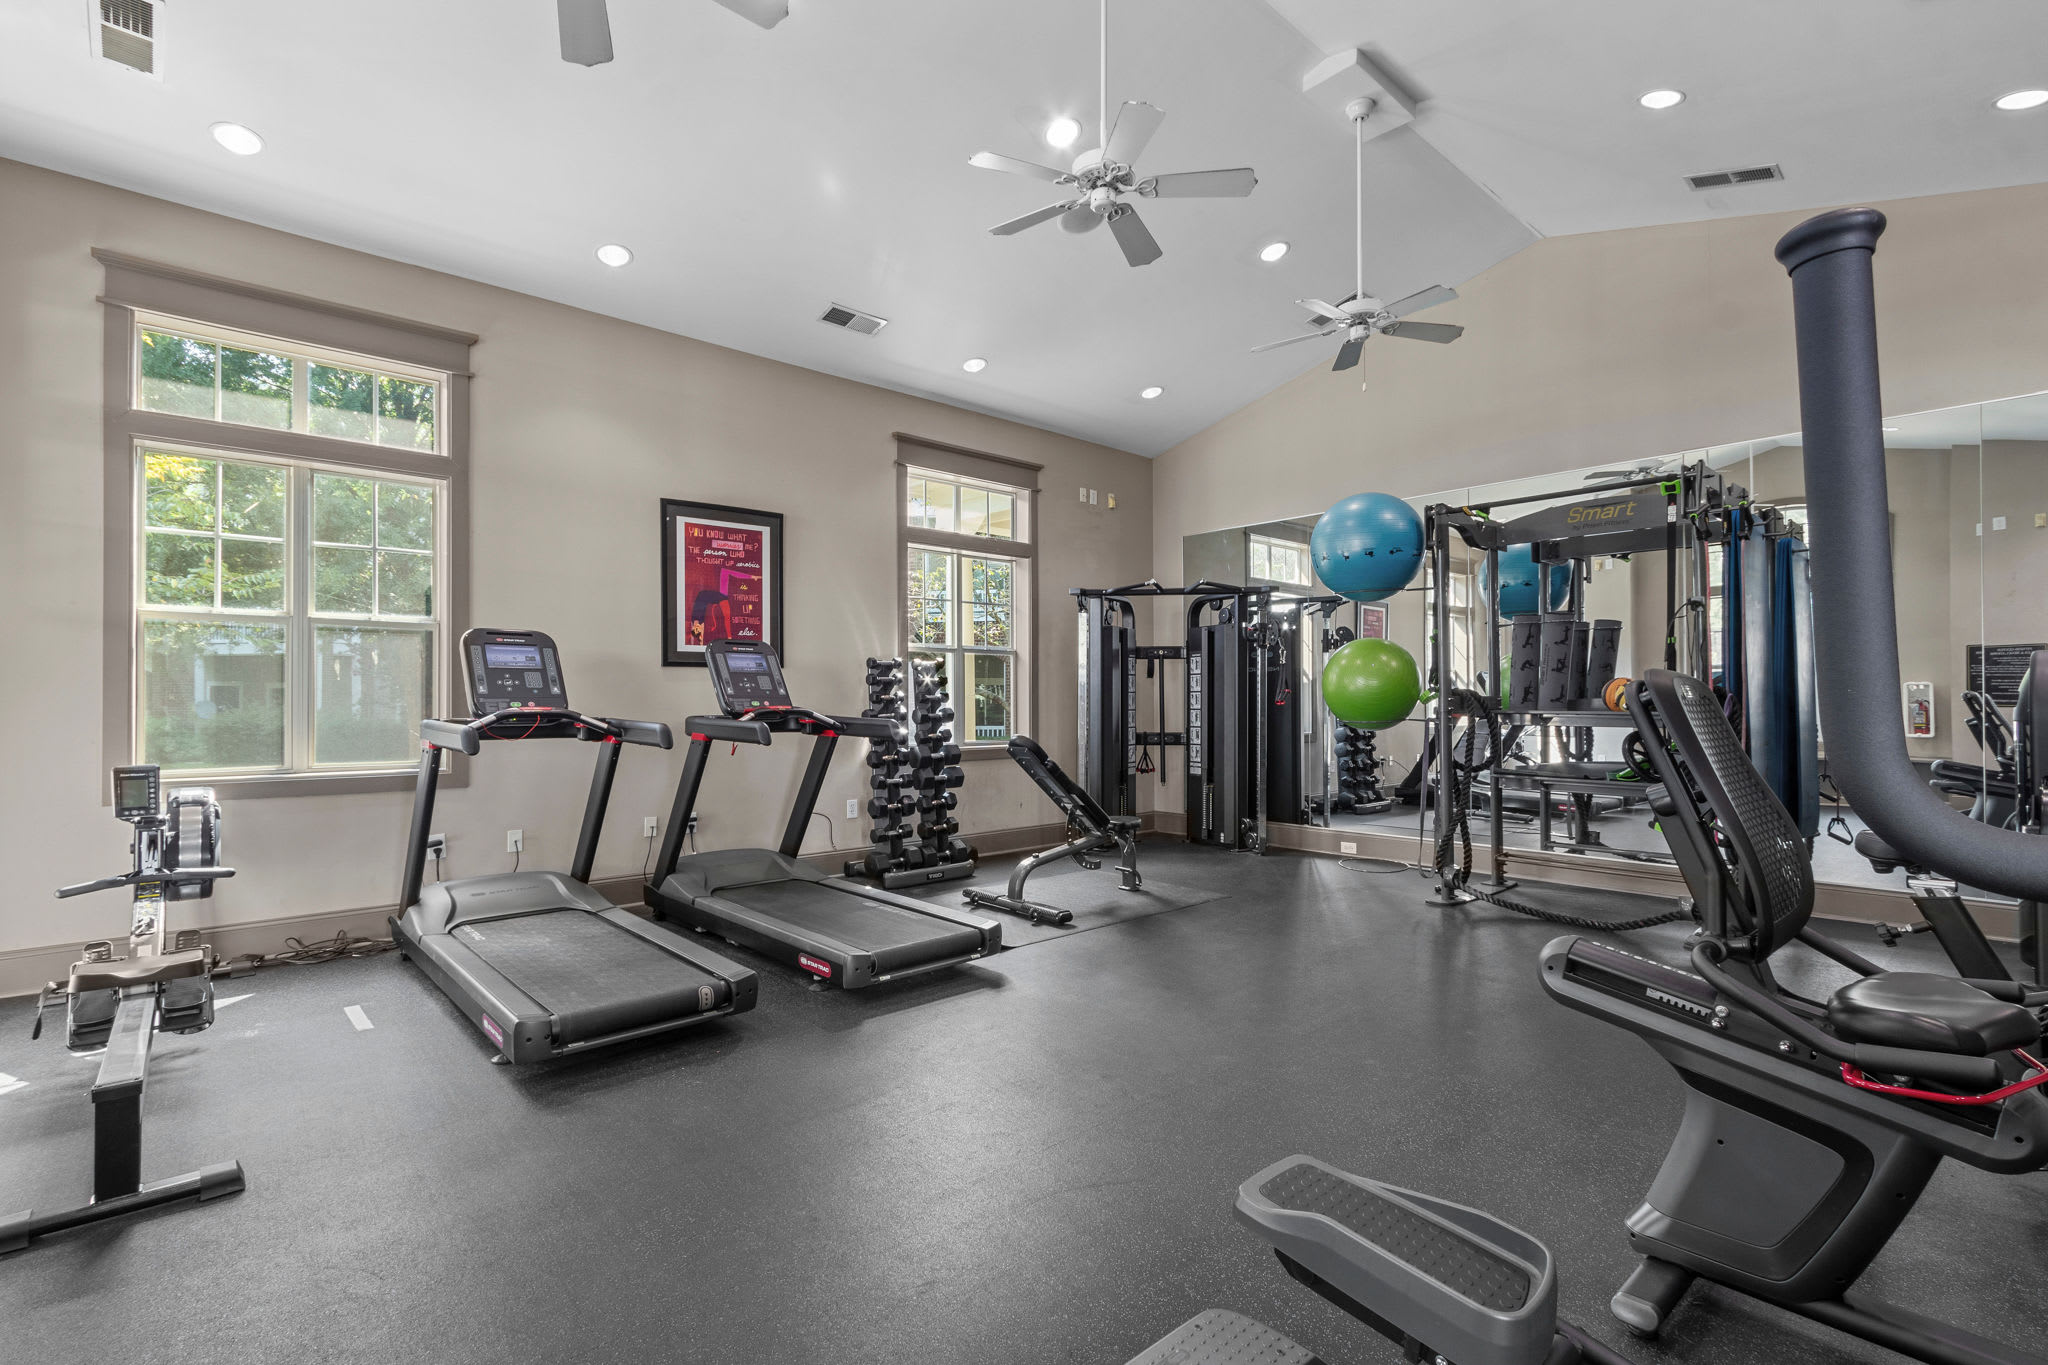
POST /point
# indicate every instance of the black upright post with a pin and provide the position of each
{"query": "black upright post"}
(422, 822)
(593, 809)
(807, 794)
(685, 806)
(117, 1098)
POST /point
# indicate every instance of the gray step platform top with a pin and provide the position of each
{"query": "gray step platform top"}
(1218, 1336)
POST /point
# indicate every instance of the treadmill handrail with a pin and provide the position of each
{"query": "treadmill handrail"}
(468, 736)
(1855, 633)
(720, 727)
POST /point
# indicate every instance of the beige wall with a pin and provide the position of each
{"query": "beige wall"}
(1587, 350)
(580, 424)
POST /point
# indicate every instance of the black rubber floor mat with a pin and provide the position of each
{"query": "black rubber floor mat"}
(1094, 898)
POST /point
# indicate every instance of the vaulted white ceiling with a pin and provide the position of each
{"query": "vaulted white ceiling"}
(760, 175)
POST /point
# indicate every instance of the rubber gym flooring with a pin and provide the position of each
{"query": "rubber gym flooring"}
(1031, 1160)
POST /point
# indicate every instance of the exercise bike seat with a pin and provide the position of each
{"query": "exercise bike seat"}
(1879, 854)
(1929, 1013)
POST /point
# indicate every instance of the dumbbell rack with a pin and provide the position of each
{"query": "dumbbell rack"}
(912, 776)
(1358, 772)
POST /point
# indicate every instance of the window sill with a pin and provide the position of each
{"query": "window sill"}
(264, 786)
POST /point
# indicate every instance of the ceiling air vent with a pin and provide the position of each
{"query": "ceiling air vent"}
(1748, 175)
(124, 32)
(853, 320)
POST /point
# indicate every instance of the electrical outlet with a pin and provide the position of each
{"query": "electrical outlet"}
(1091, 497)
(852, 809)
(1346, 846)
(649, 826)
(437, 846)
(1084, 495)
(515, 840)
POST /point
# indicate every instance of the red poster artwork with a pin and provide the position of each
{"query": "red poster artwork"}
(725, 582)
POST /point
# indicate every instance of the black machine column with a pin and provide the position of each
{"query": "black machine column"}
(807, 793)
(601, 775)
(685, 803)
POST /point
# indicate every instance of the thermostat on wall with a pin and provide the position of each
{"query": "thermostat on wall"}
(1919, 698)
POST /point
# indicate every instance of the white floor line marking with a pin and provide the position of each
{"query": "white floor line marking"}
(10, 1084)
(358, 1018)
(221, 1003)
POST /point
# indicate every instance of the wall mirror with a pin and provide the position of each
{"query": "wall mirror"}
(1968, 490)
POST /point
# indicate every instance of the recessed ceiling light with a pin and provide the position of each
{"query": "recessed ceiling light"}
(1660, 99)
(614, 255)
(2023, 99)
(237, 139)
(1152, 392)
(1061, 132)
(1272, 251)
(974, 366)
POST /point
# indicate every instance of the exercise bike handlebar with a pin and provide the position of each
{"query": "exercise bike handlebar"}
(1855, 638)
(176, 876)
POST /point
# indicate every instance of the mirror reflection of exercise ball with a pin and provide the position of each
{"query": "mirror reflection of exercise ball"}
(1371, 684)
(1519, 575)
(1367, 547)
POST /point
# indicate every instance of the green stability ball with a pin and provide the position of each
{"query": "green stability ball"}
(1371, 684)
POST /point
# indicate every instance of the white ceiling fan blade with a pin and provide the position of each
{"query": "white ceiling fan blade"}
(1276, 345)
(1232, 184)
(1424, 331)
(586, 31)
(1133, 236)
(1354, 347)
(1321, 309)
(766, 13)
(1034, 218)
(1421, 299)
(1135, 124)
(996, 161)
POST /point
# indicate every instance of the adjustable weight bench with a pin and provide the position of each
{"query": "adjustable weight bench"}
(1094, 830)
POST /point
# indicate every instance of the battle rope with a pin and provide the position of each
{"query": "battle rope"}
(1477, 708)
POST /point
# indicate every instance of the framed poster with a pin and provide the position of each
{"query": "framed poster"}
(1372, 621)
(721, 578)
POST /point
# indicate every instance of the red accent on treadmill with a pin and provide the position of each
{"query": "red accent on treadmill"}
(491, 1030)
(699, 739)
(816, 966)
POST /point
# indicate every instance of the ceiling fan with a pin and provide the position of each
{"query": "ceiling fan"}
(587, 29)
(1361, 315)
(1102, 177)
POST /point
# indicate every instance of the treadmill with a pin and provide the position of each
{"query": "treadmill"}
(540, 962)
(842, 933)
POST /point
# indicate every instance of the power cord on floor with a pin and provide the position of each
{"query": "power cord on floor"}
(299, 953)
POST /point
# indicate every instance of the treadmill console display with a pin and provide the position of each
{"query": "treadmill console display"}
(512, 668)
(746, 675)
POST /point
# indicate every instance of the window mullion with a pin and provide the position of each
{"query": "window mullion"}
(299, 633)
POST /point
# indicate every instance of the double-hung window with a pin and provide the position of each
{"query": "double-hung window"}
(967, 560)
(1273, 560)
(289, 515)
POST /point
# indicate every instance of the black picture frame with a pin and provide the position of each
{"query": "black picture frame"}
(682, 645)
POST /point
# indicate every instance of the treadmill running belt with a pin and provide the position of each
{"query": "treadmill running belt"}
(898, 938)
(596, 978)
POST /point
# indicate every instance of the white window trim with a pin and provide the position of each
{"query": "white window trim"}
(918, 458)
(145, 291)
(959, 650)
(301, 621)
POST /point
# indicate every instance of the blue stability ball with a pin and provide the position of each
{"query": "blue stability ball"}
(1368, 547)
(1519, 576)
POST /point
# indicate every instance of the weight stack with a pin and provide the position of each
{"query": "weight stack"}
(892, 780)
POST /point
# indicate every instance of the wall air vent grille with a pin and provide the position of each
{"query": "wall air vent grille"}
(1748, 175)
(124, 32)
(853, 320)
